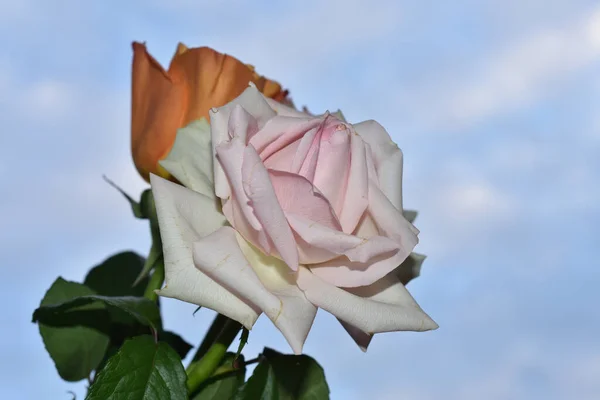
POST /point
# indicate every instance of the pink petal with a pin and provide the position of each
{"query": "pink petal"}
(231, 156)
(387, 159)
(241, 124)
(263, 200)
(357, 191)
(284, 158)
(279, 132)
(391, 222)
(348, 274)
(333, 165)
(255, 104)
(305, 160)
(358, 252)
(378, 139)
(298, 196)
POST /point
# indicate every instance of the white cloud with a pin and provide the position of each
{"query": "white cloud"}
(526, 70)
(509, 78)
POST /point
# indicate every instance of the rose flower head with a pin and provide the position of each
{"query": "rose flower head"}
(281, 213)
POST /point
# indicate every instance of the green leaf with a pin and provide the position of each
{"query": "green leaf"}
(225, 382)
(410, 268)
(262, 385)
(176, 342)
(285, 377)
(410, 215)
(135, 206)
(75, 350)
(115, 276)
(141, 370)
(140, 308)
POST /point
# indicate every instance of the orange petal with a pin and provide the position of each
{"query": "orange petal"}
(197, 80)
(212, 79)
(157, 108)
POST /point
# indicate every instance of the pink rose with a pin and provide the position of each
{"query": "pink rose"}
(285, 212)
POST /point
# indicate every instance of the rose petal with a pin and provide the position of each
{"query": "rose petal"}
(391, 222)
(387, 157)
(297, 314)
(298, 196)
(255, 104)
(241, 124)
(388, 290)
(280, 132)
(219, 256)
(286, 111)
(212, 79)
(359, 252)
(184, 217)
(361, 338)
(230, 156)
(342, 272)
(304, 162)
(260, 192)
(284, 158)
(357, 191)
(367, 308)
(157, 107)
(190, 159)
(333, 164)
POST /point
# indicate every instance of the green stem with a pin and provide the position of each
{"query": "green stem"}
(156, 280)
(203, 369)
(213, 332)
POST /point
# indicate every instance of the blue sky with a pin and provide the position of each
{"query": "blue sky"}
(495, 105)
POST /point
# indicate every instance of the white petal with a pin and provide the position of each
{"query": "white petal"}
(297, 314)
(219, 255)
(286, 111)
(190, 160)
(387, 157)
(255, 104)
(385, 306)
(388, 290)
(361, 338)
(184, 217)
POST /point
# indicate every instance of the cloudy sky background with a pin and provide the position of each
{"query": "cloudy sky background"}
(496, 105)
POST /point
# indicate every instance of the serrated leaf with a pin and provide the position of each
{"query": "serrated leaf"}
(176, 342)
(285, 377)
(410, 215)
(140, 308)
(410, 268)
(141, 370)
(225, 382)
(115, 276)
(75, 350)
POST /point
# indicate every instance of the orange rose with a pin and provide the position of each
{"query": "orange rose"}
(197, 80)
